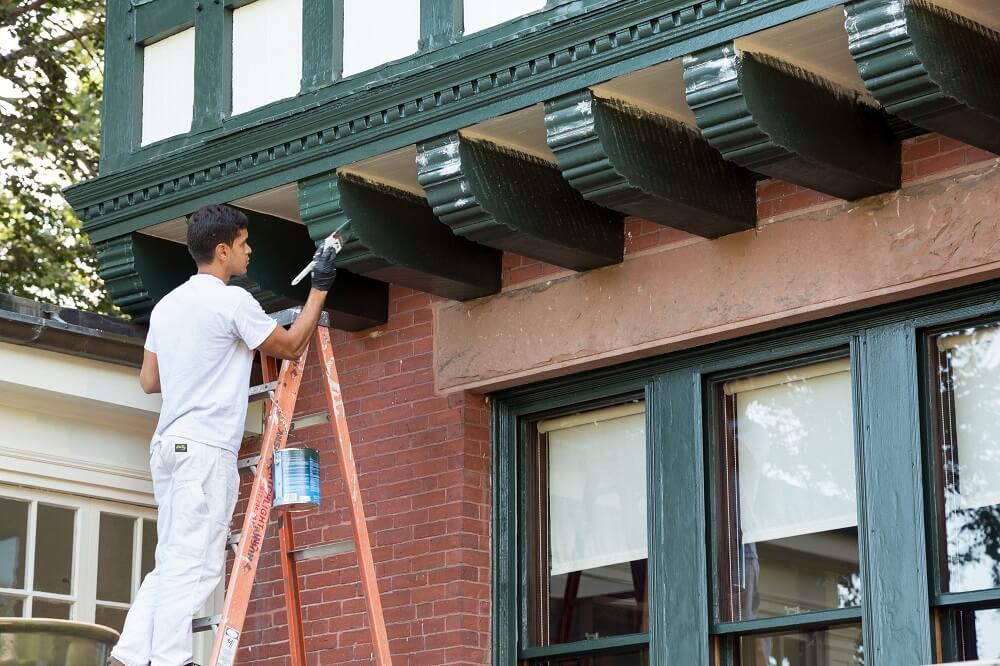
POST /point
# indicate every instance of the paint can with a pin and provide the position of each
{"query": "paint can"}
(296, 479)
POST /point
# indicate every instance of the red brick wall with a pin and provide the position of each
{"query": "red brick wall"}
(423, 463)
(424, 467)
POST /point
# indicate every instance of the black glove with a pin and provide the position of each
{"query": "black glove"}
(324, 271)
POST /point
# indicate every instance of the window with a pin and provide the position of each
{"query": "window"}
(52, 566)
(589, 540)
(168, 86)
(965, 378)
(786, 536)
(482, 14)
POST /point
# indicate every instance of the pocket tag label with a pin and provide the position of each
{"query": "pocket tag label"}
(180, 448)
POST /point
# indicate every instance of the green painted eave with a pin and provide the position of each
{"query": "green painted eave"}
(525, 62)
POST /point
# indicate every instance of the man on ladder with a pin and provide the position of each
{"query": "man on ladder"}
(199, 352)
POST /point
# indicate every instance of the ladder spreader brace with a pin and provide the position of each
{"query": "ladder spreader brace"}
(283, 388)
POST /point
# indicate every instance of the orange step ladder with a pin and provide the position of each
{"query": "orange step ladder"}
(283, 388)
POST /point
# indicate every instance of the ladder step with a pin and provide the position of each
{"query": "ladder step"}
(247, 463)
(205, 623)
(309, 420)
(324, 550)
(287, 317)
(233, 539)
(260, 391)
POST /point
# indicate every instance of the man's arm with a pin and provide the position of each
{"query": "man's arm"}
(291, 343)
(149, 375)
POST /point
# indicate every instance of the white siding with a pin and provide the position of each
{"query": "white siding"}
(482, 14)
(267, 53)
(379, 32)
(168, 87)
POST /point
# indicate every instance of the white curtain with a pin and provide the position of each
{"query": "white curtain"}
(795, 447)
(597, 488)
(975, 372)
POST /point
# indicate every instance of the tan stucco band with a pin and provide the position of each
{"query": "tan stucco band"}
(927, 237)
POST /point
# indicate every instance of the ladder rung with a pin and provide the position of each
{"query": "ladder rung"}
(288, 317)
(324, 550)
(260, 391)
(309, 420)
(233, 539)
(205, 623)
(247, 463)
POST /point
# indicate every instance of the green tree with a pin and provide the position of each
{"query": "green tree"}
(50, 96)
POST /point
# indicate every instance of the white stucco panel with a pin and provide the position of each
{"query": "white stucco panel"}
(482, 14)
(168, 86)
(267, 53)
(379, 32)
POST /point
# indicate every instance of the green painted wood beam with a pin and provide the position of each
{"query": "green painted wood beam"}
(281, 248)
(441, 23)
(515, 202)
(930, 66)
(775, 118)
(322, 43)
(647, 165)
(394, 236)
(139, 270)
(121, 105)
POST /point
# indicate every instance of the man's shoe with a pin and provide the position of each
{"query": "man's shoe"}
(114, 662)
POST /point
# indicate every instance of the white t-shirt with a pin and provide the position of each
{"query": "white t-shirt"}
(203, 334)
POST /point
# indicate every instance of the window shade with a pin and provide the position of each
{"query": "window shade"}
(795, 448)
(597, 488)
(974, 361)
(168, 86)
(267, 53)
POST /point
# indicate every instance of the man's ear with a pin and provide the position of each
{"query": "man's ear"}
(221, 252)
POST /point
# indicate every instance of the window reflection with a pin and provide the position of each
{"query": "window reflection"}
(840, 646)
(967, 449)
(786, 498)
(979, 634)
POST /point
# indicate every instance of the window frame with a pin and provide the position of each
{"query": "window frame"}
(889, 382)
(945, 606)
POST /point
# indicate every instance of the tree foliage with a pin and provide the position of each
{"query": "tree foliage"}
(50, 96)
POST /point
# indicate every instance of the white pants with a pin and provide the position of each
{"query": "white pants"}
(196, 487)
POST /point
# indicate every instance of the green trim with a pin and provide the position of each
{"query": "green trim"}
(322, 43)
(162, 18)
(784, 623)
(213, 70)
(775, 118)
(441, 23)
(674, 460)
(929, 66)
(514, 202)
(139, 270)
(649, 166)
(894, 568)
(506, 530)
(121, 106)
(490, 73)
(976, 599)
(593, 646)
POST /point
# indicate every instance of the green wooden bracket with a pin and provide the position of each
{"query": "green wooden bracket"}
(282, 248)
(139, 270)
(929, 66)
(647, 165)
(517, 203)
(441, 23)
(780, 120)
(394, 237)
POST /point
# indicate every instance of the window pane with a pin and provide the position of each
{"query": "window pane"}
(13, 541)
(114, 558)
(397, 36)
(267, 53)
(11, 606)
(54, 550)
(967, 453)
(590, 575)
(786, 495)
(168, 86)
(979, 634)
(633, 658)
(148, 547)
(482, 14)
(829, 647)
(110, 617)
(56, 610)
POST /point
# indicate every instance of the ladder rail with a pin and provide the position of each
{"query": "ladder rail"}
(255, 520)
(289, 565)
(349, 473)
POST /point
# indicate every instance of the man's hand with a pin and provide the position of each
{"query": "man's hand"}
(324, 271)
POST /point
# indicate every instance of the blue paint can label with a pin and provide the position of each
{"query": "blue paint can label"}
(296, 479)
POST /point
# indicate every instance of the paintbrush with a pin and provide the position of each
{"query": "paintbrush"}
(334, 241)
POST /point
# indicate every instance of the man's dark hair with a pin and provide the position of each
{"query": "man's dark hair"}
(210, 226)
